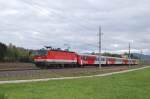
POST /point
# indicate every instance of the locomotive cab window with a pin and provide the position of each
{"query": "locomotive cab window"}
(40, 52)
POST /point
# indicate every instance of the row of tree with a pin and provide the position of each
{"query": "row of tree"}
(12, 53)
(132, 56)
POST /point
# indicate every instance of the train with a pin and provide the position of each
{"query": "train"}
(61, 58)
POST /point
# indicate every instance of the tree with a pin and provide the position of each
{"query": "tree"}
(111, 55)
(107, 54)
(134, 56)
(3, 51)
(17, 54)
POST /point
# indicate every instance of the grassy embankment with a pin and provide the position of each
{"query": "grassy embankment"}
(132, 85)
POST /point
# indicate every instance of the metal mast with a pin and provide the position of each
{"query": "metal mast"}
(100, 47)
(141, 56)
(129, 54)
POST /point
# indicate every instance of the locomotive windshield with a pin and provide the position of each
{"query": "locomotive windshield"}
(39, 52)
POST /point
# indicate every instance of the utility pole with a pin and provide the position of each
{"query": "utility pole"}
(141, 56)
(100, 47)
(129, 54)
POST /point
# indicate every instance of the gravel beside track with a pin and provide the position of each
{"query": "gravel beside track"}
(13, 71)
(14, 66)
(61, 78)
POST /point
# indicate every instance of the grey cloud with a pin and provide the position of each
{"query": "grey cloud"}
(35, 23)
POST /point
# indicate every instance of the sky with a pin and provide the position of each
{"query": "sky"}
(34, 24)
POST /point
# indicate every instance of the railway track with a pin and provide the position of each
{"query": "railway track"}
(33, 72)
(87, 67)
(20, 69)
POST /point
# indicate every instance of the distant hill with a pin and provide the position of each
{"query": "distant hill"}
(144, 57)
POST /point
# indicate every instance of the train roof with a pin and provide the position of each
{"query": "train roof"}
(104, 56)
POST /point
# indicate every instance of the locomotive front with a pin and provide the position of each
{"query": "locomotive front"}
(40, 57)
(45, 58)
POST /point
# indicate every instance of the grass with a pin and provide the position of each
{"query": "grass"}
(3, 96)
(132, 85)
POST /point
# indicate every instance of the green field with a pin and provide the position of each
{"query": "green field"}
(132, 85)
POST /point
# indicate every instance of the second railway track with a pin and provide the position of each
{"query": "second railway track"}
(18, 69)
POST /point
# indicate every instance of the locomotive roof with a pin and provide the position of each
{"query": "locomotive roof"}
(55, 50)
(61, 51)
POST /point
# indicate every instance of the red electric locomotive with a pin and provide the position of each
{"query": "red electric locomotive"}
(54, 57)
